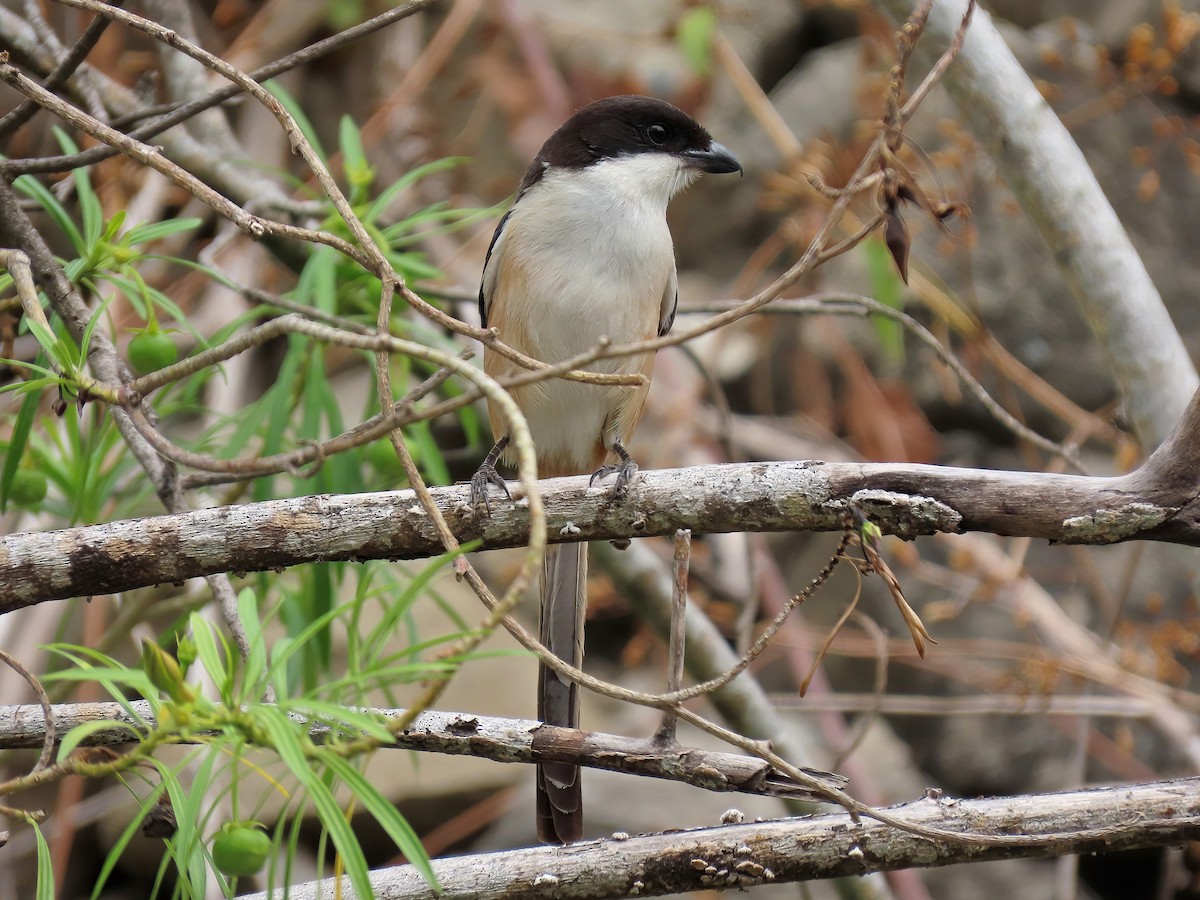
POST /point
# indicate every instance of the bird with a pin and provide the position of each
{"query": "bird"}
(584, 253)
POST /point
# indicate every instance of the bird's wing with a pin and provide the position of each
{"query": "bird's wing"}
(491, 264)
(670, 301)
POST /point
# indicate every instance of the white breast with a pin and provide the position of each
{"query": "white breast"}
(585, 254)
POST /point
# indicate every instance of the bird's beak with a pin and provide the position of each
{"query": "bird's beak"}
(716, 159)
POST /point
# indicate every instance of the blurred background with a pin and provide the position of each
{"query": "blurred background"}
(1001, 704)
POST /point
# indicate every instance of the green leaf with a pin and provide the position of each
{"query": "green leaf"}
(888, 289)
(338, 717)
(211, 657)
(416, 588)
(127, 834)
(45, 867)
(254, 671)
(697, 28)
(91, 327)
(16, 445)
(80, 733)
(386, 815)
(45, 337)
(36, 385)
(427, 451)
(35, 190)
(186, 846)
(89, 204)
(289, 103)
(154, 231)
(409, 178)
(290, 744)
(354, 159)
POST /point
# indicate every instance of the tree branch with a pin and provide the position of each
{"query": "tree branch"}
(460, 734)
(1156, 502)
(1051, 179)
(1106, 820)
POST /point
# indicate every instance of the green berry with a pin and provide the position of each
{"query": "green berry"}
(28, 488)
(151, 351)
(240, 849)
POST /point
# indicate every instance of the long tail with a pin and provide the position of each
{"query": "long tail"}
(564, 602)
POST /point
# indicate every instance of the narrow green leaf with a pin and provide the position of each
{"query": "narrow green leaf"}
(38, 192)
(89, 204)
(409, 178)
(386, 815)
(213, 660)
(127, 834)
(91, 327)
(357, 168)
(697, 28)
(888, 289)
(46, 338)
(45, 867)
(16, 445)
(289, 744)
(254, 677)
(186, 846)
(428, 452)
(80, 733)
(290, 104)
(338, 716)
(154, 231)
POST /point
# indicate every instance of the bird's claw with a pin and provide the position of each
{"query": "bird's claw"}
(486, 475)
(626, 471)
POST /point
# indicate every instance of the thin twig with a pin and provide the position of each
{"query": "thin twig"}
(181, 113)
(48, 728)
(675, 643)
(65, 68)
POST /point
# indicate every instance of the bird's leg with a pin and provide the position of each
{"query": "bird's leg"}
(486, 475)
(625, 468)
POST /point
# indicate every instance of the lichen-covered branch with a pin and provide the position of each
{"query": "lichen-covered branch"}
(462, 734)
(1156, 502)
(744, 855)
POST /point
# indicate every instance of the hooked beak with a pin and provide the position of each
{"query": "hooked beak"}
(717, 159)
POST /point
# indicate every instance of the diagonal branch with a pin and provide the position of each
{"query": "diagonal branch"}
(1058, 191)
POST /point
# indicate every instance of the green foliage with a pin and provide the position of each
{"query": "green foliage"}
(258, 748)
(695, 33)
(325, 654)
(888, 289)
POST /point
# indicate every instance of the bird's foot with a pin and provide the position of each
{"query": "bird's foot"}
(487, 475)
(625, 469)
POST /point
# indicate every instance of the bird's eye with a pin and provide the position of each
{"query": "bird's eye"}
(657, 134)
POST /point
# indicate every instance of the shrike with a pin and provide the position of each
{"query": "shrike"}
(583, 254)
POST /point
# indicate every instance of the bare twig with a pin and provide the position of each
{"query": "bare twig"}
(65, 68)
(48, 727)
(1058, 190)
(677, 638)
(181, 113)
(844, 303)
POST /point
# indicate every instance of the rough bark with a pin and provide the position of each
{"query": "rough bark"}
(464, 734)
(804, 849)
(1156, 502)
